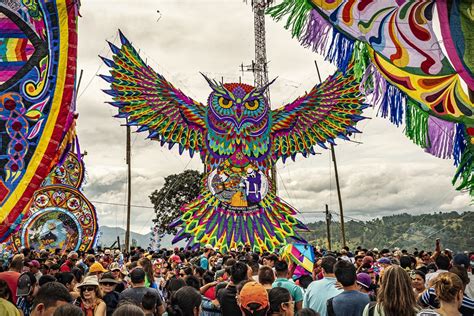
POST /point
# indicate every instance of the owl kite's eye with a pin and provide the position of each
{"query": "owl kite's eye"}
(225, 103)
(252, 105)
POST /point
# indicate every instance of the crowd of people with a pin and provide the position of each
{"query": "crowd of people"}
(188, 282)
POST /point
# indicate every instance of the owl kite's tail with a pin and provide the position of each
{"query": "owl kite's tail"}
(206, 221)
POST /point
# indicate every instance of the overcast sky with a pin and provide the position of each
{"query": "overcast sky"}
(386, 174)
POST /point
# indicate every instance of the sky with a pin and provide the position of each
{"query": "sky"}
(381, 173)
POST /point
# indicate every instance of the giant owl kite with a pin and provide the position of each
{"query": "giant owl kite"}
(239, 139)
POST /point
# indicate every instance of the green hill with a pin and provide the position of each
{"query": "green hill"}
(405, 231)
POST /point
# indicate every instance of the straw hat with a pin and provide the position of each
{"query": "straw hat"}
(89, 280)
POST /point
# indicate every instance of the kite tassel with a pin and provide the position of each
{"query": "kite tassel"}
(340, 50)
(441, 136)
(416, 124)
(392, 104)
(297, 12)
(317, 33)
(460, 144)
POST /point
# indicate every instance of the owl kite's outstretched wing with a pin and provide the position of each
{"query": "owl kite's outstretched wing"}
(329, 110)
(149, 101)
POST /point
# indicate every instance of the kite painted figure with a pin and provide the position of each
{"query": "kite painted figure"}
(239, 139)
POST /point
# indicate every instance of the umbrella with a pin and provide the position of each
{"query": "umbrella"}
(301, 254)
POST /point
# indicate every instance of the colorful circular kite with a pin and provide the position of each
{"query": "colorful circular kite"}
(59, 217)
(70, 172)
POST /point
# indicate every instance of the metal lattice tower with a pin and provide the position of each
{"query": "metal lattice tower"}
(259, 66)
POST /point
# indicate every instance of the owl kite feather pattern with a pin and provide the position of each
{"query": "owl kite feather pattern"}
(239, 139)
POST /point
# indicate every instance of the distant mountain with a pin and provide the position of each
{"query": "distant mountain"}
(108, 235)
(455, 230)
(405, 231)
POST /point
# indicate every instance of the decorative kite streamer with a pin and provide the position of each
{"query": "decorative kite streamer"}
(393, 36)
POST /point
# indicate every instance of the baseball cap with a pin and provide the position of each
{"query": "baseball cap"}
(114, 266)
(175, 258)
(364, 280)
(209, 246)
(25, 284)
(34, 263)
(96, 267)
(461, 259)
(254, 292)
(384, 261)
(367, 260)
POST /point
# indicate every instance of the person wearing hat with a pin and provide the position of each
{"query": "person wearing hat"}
(253, 299)
(204, 261)
(384, 262)
(35, 266)
(464, 261)
(27, 288)
(364, 281)
(90, 299)
(71, 261)
(119, 275)
(111, 297)
(96, 269)
(106, 259)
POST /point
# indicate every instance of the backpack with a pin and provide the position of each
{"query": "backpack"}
(372, 308)
(330, 307)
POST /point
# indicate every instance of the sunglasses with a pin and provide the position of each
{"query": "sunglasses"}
(107, 283)
(88, 288)
(182, 274)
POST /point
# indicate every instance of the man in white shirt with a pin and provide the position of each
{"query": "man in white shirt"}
(320, 291)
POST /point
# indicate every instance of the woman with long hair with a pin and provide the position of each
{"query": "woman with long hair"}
(395, 296)
(185, 302)
(90, 298)
(147, 266)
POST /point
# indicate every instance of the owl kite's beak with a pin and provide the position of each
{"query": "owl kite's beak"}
(239, 113)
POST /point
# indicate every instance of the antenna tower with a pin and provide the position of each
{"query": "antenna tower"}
(259, 66)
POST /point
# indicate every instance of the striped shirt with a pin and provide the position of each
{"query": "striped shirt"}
(429, 299)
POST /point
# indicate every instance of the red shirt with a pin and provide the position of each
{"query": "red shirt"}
(65, 267)
(211, 293)
(11, 277)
